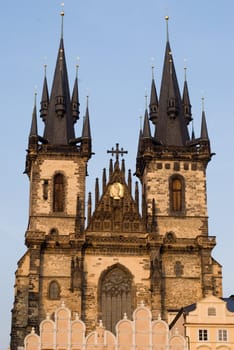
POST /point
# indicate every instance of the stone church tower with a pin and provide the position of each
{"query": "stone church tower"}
(151, 245)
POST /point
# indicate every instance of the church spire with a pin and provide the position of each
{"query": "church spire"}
(86, 141)
(75, 98)
(153, 106)
(86, 133)
(59, 128)
(186, 100)
(33, 135)
(204, 130)
(171, 127)
(44, 99)
(146, 133)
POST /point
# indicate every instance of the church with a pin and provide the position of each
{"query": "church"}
(105, 254)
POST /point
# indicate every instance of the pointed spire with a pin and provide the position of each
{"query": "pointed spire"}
(129, 181)
(173, 100)
(146, 127)
(186, 100)
(33, 135)
(86, 133)
(110, 168)
(75, 99)
(123, 167)
(89, 207)
(44, 98)
(96, 192)
(153, 106)
(104, 180)
(59, 128)
(204, 130)
(33, 131)
(171, 125)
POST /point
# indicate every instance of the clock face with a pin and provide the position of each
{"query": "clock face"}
(116, 190)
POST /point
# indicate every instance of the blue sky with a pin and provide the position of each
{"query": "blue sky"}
(115, 41)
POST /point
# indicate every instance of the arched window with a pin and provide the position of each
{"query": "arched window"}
(54, 291)
(177, 200)
(58, 193)
(116, 296)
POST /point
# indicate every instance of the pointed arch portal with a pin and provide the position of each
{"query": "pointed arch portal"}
(116, 295)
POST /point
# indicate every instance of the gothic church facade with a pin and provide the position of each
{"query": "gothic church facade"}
(149, 244)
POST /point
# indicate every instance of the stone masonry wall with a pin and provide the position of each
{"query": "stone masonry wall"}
(42, 217)
(95, 265)
(156, 184)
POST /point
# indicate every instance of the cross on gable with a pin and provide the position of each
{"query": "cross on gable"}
(117, 151)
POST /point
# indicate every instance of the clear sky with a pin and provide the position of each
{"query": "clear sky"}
(115, 41)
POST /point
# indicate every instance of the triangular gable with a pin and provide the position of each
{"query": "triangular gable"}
(116, 211)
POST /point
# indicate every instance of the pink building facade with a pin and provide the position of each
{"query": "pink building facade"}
(65, 332)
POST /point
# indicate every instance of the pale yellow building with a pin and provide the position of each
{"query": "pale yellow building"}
(207, 324)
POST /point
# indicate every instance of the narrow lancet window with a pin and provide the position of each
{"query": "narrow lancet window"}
(59, 193)
(115, 296)
(54, 291)
(177, 195)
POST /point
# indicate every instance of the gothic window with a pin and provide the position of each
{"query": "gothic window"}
(59, 193)
(54, 291)
(177, 194)
(115, 296)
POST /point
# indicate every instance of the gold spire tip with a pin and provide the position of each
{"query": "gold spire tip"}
(167, 19)
(62, 11)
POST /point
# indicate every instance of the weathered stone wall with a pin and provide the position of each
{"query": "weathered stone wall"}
(95, 265)
(156, 183)
(42, 217)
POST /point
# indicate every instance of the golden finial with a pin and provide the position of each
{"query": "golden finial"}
(167, 19)
(62, 11)
(62, 15)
